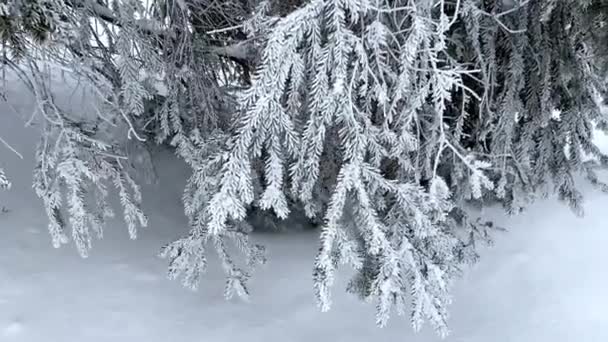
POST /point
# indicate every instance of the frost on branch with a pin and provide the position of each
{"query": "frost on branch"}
(4, 182)
(385, 118)
(380, 120)
(338, 121)
(73, 170)
(188, 255)
(80, 158)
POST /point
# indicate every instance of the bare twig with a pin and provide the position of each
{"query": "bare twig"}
(225, 29)
(497, 17)
(5, 143)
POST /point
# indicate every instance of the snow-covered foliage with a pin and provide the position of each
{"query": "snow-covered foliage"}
(4, 183)
(380, 120)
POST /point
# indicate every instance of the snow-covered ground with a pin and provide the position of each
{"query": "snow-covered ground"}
(544, 281)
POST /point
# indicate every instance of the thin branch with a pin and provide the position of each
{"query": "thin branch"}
(509, 11)
(5, 143)
(497, 17)
(225, 29)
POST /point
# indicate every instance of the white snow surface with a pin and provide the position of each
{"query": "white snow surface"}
(544, 280)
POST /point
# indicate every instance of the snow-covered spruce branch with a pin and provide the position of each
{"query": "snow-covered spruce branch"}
(356, 104)
(4, 182)
(74, 166)
(116, 59)
(341, 70)
(381, 120)
(70, 160)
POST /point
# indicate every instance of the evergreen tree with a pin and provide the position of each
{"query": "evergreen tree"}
(379, 120)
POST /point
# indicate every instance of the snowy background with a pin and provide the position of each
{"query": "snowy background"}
(544, 280)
